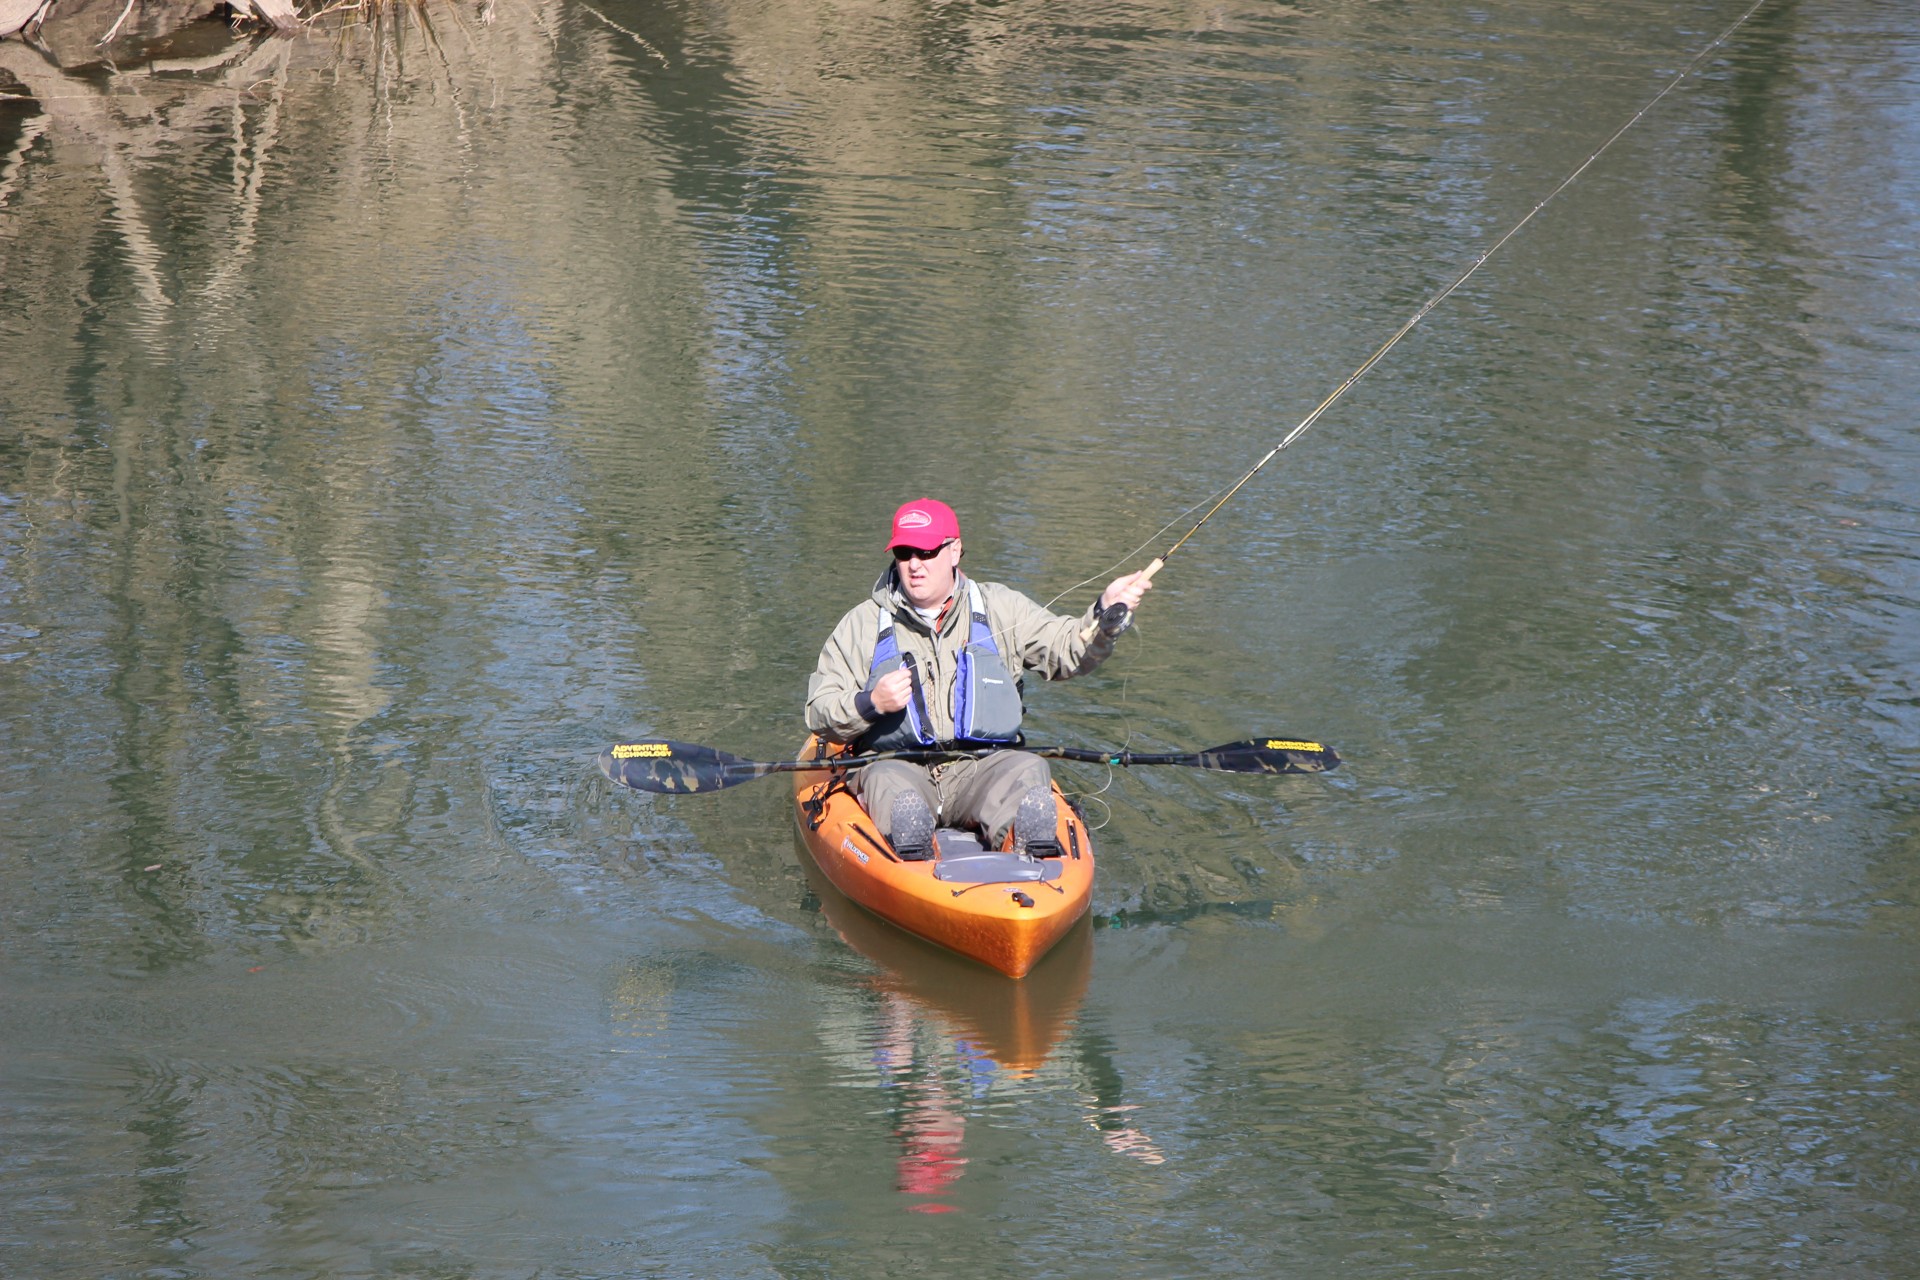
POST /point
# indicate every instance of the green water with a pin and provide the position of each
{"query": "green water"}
(394, 416)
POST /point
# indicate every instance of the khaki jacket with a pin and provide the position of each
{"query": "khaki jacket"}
(1029, 638)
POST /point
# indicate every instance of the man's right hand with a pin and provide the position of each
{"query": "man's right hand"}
(892, 691)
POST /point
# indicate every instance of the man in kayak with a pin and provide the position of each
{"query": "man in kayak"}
(935, 659)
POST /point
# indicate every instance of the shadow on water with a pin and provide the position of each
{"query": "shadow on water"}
(1146, 917)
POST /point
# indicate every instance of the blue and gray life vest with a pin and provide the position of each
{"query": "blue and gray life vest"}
(986, 698)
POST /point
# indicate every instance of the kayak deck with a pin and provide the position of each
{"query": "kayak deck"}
(1000, 908)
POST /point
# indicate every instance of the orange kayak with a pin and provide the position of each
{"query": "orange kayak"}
(999, 908)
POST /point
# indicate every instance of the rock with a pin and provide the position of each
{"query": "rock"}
(15, 14)
(280, 13)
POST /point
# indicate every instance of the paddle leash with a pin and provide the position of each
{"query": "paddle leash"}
(1305, 424)
(678, 768)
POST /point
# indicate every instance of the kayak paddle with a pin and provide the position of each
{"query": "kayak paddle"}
(672, 768)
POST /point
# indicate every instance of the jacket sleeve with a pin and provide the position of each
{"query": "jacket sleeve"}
(1047, 643)
(837, 705)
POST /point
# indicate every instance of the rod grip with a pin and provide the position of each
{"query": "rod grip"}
(1087, 633)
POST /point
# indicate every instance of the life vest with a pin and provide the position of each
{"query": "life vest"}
(986, 698)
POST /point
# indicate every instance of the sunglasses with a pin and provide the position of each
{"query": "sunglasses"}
(904, 554)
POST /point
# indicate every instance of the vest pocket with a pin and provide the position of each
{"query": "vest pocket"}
(988, 706)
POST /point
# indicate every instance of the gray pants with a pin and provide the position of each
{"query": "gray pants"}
(982, 792)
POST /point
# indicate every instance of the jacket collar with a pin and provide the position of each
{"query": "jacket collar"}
(887, 594)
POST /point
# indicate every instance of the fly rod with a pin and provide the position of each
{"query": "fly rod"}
(1306, 423)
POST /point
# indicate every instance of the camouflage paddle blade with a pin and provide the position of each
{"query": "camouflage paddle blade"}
(1259, 755)
(674, 768)
(1270, 755)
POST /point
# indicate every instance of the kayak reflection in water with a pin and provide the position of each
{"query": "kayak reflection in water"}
(935, 659)
(932, 1094)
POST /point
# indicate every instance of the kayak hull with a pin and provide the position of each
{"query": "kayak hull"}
(1006, 924)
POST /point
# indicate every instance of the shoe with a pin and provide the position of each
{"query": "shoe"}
(911, 833)
(1036, 824)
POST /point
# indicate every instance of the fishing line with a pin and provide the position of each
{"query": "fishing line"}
(1093, 797)
(1306, 423)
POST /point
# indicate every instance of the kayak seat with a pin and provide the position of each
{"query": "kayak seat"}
(964, 860)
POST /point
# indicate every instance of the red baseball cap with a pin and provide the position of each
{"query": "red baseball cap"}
(924, 524)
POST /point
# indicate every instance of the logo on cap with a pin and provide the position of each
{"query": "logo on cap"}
(914, 519)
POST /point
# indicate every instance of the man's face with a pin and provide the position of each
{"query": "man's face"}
(925, 582)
